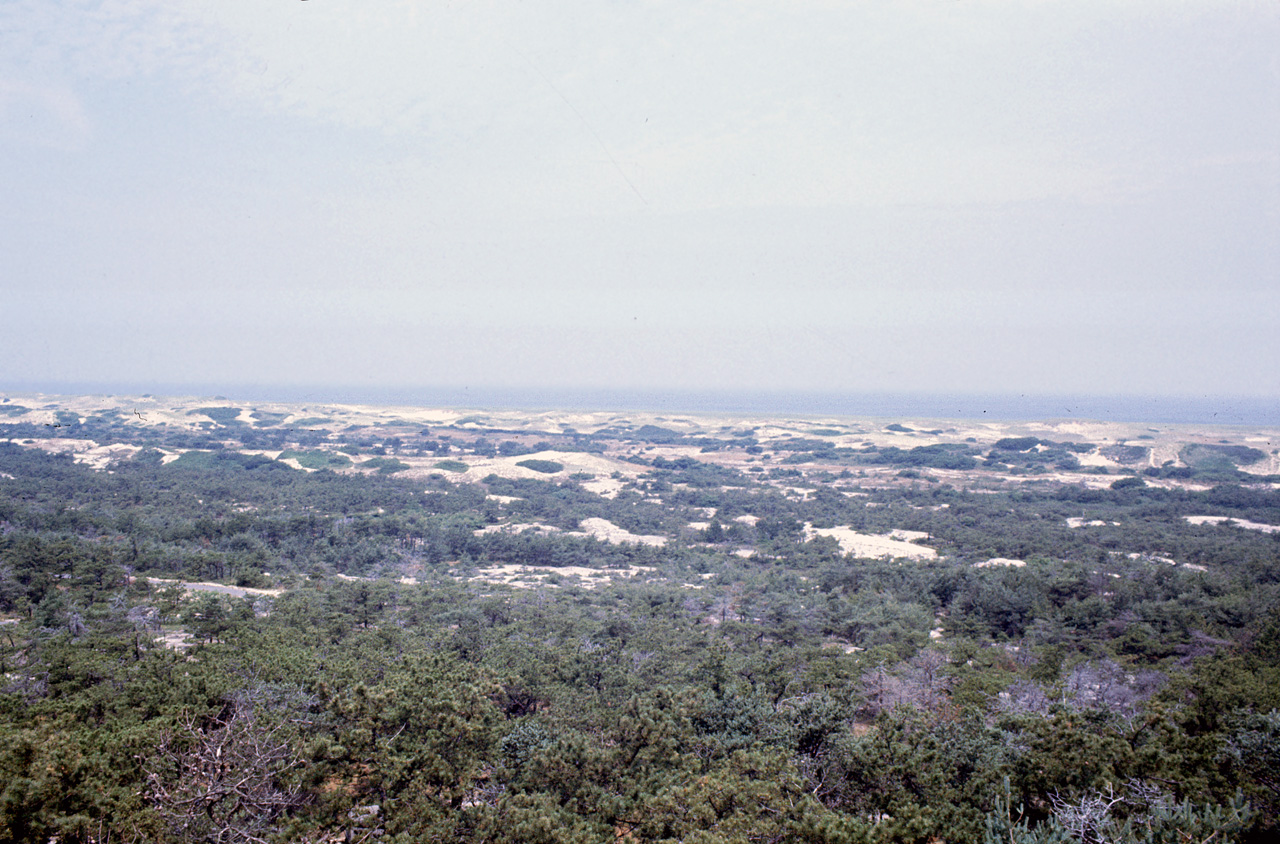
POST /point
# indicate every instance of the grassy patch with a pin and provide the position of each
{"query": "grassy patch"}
(451, 466)
(1199, 456)
(548, 467)
(385, 465)
(221, 415)
(222, 461)
(317, 459)
(263, 418)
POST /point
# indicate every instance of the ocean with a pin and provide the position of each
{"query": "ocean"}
(1206, 410)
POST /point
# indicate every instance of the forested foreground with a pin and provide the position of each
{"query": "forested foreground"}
(1096, 693)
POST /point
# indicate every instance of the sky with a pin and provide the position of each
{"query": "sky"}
(1073, 197)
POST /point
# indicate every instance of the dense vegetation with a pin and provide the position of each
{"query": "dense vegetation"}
(376, 682)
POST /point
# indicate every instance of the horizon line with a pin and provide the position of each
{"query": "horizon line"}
(1011, 405)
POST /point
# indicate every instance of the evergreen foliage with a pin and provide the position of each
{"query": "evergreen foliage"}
(223, 648)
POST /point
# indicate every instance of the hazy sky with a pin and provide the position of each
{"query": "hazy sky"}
(955, 195)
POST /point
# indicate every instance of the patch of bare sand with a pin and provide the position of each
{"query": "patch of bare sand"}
(87, 452)
(1000, 561)
(1269, 465)
(1079, 522)
(1187, 486)
(1154, 558)
(221, 588)
(572, 461)
(871, 545)
(607, 531)
(1240, 523)
(175, 640)
(1093, 458)
(1081, 479)
(528, 577)
(100, 457)
(604, 487)
(522, 527)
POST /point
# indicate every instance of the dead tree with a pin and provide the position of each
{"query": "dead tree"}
(224, 779)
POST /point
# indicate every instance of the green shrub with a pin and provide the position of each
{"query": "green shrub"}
(547, 467)
(317, 459)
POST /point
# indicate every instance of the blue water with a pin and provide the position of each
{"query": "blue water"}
(1218, 410)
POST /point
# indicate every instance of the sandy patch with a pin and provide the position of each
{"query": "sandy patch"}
(403, 580)
(747, 519)
(523, 527)
(175, 640)
(59, 445)
(1079, 522)
(221, 588)
(1153, 558)
(594, 528)
(102, 456)
(88, 452)
(1000, 561)
(527, 577)
(1084, 480)
(1241, 523)
(607, 531)
(572, 461)
(1093, 458)
(1269, 465)
(1161, 453)
(604, 487)
(503, 499)
(871, 545)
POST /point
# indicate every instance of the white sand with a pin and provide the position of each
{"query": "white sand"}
(1079, 522)
(527, 577)
(1000, 561)
(871, 545)
(607, 531)
(572, 461)
(521, 527)
(222, 588)
(1241, 523)
(604, 487)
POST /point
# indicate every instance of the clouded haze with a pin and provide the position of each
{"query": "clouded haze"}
(1035, 197)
